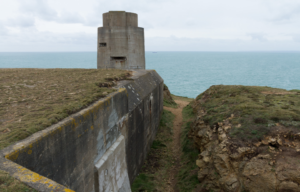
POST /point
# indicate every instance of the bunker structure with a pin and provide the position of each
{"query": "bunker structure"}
(103, 147)
(120, 42)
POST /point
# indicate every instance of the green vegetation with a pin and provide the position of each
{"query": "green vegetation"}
(168, 99)
(252, 110)
(155, 170)
(295, 90)
(143, 182)
(10, 184)
(157, 144)
(187, 176)
(166, 120)
(33, 99)
(187, 113)
(169, 104)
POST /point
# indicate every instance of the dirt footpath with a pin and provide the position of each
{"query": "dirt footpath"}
(177, 125)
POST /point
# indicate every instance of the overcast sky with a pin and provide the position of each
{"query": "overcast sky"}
(170, 25)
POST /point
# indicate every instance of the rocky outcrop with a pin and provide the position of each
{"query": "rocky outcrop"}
(168, 100)
(231, 164)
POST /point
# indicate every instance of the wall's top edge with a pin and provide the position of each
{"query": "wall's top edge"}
(120, 18)
(139, 29)
(144, 82)
(31, 178)
(14, 148)
(117, 11)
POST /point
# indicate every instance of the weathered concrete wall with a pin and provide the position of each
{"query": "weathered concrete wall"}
(120, 19)
(145, 102)
(67, 152)
(111, 170)
(72, 152)
(120, 42)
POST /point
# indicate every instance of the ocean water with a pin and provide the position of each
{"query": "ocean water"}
(186, 73)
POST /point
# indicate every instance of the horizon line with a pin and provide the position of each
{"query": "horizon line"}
(145, 51)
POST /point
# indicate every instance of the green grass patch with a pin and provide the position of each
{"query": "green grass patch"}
(187, 113)
(256, 108)
(143, 182)
(155, 169)
(166, 120)
(10, 184)
(187, 175)
(295, 90)
(168, 103)
(157, 144)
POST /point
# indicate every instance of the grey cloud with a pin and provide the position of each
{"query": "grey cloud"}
(258, 36)
(42, 10)
(296, 38)
(145, 24)
(206, 44)
(182, 18)
(21, 21)
(32, 40)
(39, 8)
(287, 15)
(144, 8)
(67, 17)
(79, 39)
(190, 22)
(94, 19)
(3, 30)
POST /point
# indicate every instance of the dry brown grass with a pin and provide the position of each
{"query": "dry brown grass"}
(33, 99)
(176, 97)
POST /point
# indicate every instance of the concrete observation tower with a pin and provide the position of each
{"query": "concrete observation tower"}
(120, 42)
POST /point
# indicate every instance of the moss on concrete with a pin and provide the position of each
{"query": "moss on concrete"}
(10, 184)
(33, 99)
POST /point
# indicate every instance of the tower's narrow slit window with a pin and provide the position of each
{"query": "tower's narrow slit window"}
(102, 44)
(118, 58)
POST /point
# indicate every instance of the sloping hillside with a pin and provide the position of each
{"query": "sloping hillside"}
(248, 138)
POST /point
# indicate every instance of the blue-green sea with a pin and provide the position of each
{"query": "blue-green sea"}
(186, 73)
